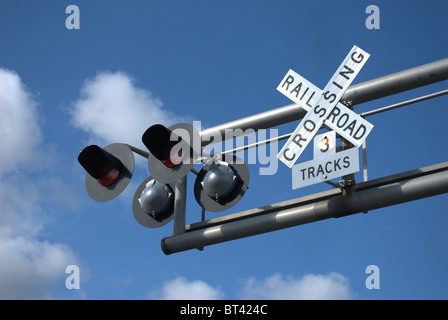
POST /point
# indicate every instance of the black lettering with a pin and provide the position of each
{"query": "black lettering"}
(337, 85)
(286, 157)
(345, 117)
(344, 73)
(320, 169)
(304, 93)
(303, 173)
(317, 110)
(310, 172)
(310, 123)
(331, 96)
(351, 127)
(335, 112)
(360, 57)
(309, 99)
(297, 139)
(288, 81)
(336, 164)
(364, 129)
(346, 162)
(326, 167)
(297, 89)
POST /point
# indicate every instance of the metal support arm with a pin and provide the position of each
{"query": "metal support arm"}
(374, 194)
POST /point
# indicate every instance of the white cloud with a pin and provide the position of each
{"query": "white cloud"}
(332, 286)
(20, 132)
(180, 289)
(21, 212)
(30, 268)
(112, 108)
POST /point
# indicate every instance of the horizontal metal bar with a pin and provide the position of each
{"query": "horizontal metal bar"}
(374, 194)
(264, 210)
(397, 82)
(404, 103)
(263, 120)
(138, 151)
(366, 91)
(257, 144)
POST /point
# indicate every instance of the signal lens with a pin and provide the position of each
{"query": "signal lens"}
(173, 160)
(108, 175)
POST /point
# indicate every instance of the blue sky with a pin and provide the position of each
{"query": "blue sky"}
(135, 63)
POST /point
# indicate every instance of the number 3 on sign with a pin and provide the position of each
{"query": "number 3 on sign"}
(324, 144)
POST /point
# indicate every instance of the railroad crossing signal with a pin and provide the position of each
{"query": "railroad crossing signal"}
(172, 154)
(157, 199)
(323, 106)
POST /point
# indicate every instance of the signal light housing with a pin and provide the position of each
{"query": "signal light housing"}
(219, 186)
(153, 203)
(109, 170)
(172, 151)
(161, 145)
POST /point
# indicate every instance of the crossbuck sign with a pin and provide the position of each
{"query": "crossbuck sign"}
(323, 106)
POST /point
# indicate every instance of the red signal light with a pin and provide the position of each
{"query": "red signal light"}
(173, 151)
(98, 163)
(159, 141)
(173, 160)
(108, 175)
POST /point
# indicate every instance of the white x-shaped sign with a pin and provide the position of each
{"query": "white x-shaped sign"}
(323, 106)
